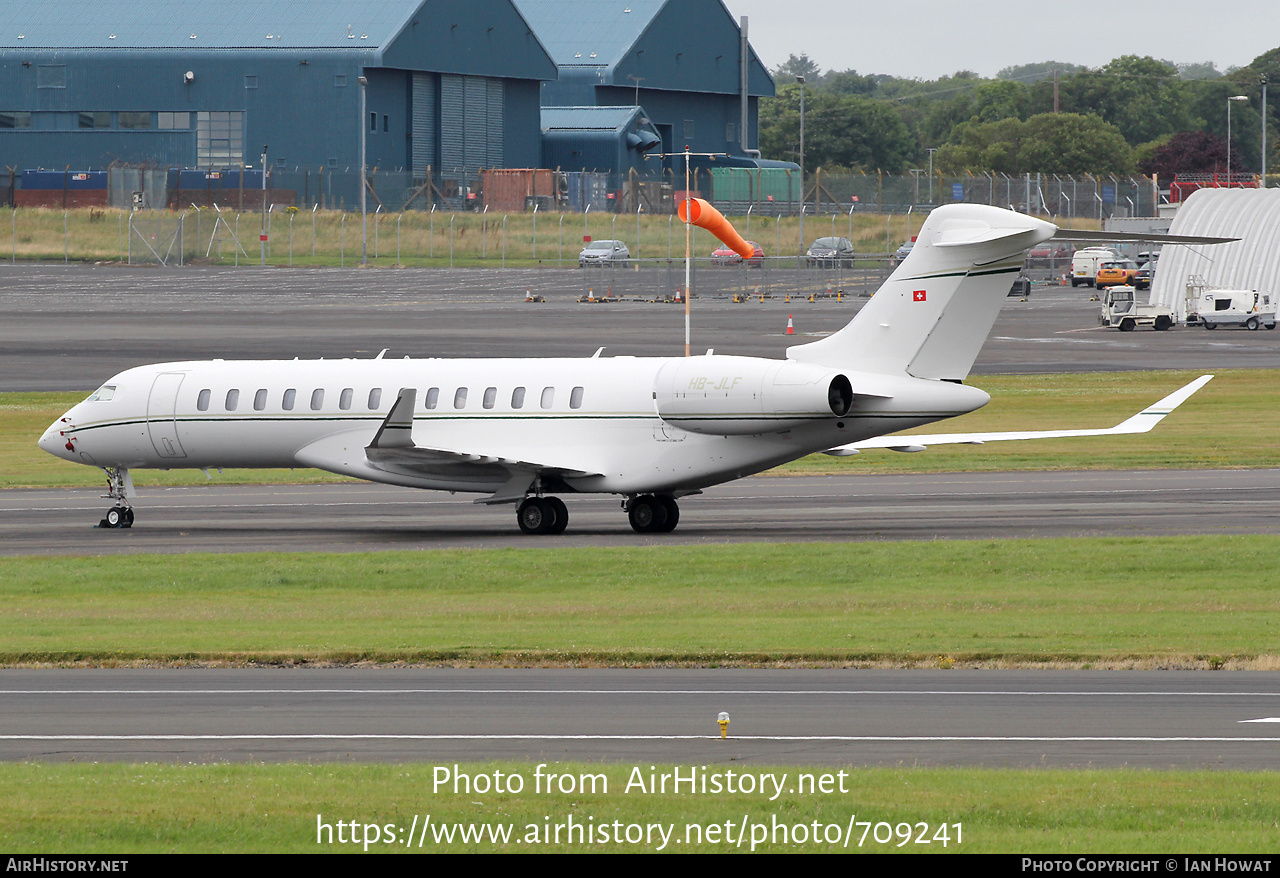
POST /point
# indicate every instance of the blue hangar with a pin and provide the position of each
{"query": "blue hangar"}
(450, 85)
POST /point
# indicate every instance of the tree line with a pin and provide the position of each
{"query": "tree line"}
(1133, 115)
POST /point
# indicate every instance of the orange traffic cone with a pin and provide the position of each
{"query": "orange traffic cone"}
(791, 327)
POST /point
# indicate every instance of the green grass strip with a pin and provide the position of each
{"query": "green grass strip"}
(1190, 601)
(122, 808)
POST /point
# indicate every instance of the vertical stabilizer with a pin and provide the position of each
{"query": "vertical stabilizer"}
(931, 317)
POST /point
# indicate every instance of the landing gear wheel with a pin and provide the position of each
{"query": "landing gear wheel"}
(561, 514)
(673, 513)
(534, 516)
(542, 515)
(117, 517)
(1251, 324)
(647, 514)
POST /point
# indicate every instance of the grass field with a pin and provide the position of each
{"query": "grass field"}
(108, 808)
(1227, 424)
(1155, 602)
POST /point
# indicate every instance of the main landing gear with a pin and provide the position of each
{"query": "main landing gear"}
(542, 515)
(653, 513)
(119, 489)
(648, 514)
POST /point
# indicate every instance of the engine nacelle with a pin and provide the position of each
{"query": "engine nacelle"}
(737, 396)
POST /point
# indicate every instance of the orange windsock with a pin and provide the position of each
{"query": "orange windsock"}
(704, 216)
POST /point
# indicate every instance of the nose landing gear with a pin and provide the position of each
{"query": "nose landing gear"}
(119, 489)
(653, 513)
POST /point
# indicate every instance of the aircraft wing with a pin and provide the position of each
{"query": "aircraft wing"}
(392, 451)
(1142, 422)
(1086, 236)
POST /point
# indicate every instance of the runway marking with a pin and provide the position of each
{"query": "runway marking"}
(882, 739)
(1015, 693)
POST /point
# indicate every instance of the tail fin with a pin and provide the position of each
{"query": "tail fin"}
(931, 317)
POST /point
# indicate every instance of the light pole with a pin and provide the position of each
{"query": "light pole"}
(931, 152)
(364, 211)
(1263, 82)
(262, 236)
(1231, 100)
(800, 79)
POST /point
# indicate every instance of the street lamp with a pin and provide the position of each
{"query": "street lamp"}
(800, 79)
(364, 210)
(1263, 82)
(1230, 100)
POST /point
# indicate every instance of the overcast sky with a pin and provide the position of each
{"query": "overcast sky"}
(926, 39)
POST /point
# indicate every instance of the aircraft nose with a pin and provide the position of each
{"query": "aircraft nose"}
(54, 442)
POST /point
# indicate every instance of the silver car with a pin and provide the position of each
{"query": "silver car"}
(602, 253)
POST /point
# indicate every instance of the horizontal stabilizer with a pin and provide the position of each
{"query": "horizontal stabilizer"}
(1086, 236)
(1142, 422)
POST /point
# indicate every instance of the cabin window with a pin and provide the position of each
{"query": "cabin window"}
(287, 402)
(517, 398)
(490, 397)
(260, 400)
(317, 399)
(375, 398)
(460, 398)
(575, 398)
(344, 400)
(233, 400)
(548, 397)
(202, 401)
(433, 397)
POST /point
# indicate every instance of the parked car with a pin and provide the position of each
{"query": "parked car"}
(726, 255)
(1142, 280)
(602, 253)
(1048, 254)
(1117, 271)
(829, 252)
(902, 252)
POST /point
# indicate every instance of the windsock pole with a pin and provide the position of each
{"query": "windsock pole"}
(688, 252)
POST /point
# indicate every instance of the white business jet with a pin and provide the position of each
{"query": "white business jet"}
(529, 431)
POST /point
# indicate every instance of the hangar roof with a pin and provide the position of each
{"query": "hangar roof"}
(674, 45)
(227, 24)
(587, 118)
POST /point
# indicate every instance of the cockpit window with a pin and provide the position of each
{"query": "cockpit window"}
(103, 394)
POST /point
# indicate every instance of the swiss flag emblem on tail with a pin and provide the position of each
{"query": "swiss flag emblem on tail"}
(918, 296)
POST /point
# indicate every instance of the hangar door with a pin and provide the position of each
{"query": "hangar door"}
(425, 132)
(471, 123)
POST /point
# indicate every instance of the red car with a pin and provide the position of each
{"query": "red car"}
(726, 255)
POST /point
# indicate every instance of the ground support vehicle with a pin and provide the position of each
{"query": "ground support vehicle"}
(1250, 309)
(1121, 310)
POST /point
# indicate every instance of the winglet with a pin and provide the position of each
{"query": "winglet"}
(397, 430)
(1144, 420)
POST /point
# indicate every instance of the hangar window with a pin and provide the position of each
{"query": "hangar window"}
(233, 400)
(202, 401)
(15, 120)
(340, 80)
(344, 400)
(730, 132)
(287, 402)
(317, 399)
(135, 120)
(548, 397)
(251, 81)
(375, 398)
(386, 123)
(490, 397)
(95, 120)
(517, 398)
(220, 138)
(260, 400)
(433, 397)
(373, 122)
(173, 121)
(460, 398)
(575, 398)
(688, 129)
